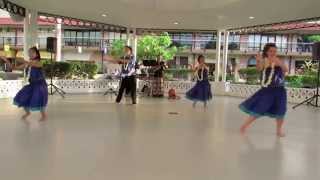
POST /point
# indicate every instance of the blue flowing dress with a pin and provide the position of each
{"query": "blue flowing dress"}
(202, 89)
(268, 101)
(34, 96)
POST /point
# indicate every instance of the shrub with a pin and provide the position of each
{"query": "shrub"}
(230, 78)
(58, 69)
(309, 81)
(91, 69)
(294, 81)
(177, 73)
(302, 81)
(251, 74)
(71, 69)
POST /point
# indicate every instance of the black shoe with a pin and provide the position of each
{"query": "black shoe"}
(134, 102)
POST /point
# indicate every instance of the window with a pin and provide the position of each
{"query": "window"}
(234, 38)
(254, 42)
(202, 39)
(186, 40)
(124, 36)
(117, 36)
(183, 62)
(252, 61)
(264, 40)
(271, 39)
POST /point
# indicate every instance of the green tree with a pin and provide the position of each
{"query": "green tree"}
(117, 48)
(156, 47)
(313, 38)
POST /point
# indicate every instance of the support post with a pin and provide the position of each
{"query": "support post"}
(225, 56)
(128, 37)
(59, 39)
(30, 31)
(218, 56)
(135, 43)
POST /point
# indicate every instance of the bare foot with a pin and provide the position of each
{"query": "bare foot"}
(243, 130)
(194, 104)
(25, 116)
(281, 134)
(43, 118)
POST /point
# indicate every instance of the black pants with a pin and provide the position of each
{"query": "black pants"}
(129, 84)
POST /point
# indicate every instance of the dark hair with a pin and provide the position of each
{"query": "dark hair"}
(36, 50)
(266, 49)
(200, 57)
(129, 47)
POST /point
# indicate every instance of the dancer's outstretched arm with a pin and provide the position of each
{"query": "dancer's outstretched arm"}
(20, 67)
(114, 60)
(25, 64)
(4, 59)
(36, 64)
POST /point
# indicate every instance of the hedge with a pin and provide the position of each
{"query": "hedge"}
(308, 80)
(70, 69)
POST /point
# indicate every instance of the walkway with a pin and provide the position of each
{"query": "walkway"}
(90, 138)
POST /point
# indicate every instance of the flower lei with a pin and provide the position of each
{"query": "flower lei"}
(269, 81)
(197, 74)
(126, 65)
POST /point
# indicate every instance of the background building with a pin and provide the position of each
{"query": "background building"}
(83, 44)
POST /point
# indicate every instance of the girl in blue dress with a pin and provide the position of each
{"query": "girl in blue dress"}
(202, 89)
(271, 99)
(34, 96)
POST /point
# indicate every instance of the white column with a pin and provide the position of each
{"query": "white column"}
(59, 39)
(218, 56)
(292, 66)
(128, 37)
(225, 56)
(135, 43)
(30, 31)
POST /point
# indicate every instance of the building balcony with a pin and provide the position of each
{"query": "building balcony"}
(187, 47)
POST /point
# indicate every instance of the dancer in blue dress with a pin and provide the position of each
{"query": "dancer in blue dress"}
(271, 99)
(202, 89)
(34, 96)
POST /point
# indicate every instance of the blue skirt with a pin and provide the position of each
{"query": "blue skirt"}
(33, 97)
(200, 92)
(270, 101)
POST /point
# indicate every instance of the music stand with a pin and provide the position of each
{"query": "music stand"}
(104, 50)
(51, 44)
(314, 100)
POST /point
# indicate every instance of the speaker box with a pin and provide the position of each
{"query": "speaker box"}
(316, 51)
(51, 44)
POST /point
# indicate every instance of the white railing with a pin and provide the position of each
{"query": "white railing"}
(295, 95)
(86, 86)
(9, 88)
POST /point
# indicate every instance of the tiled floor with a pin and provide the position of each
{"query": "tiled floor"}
(88, 137)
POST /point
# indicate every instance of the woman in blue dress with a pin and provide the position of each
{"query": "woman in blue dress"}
(271, 99)
(202, 89)
(34, 96)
